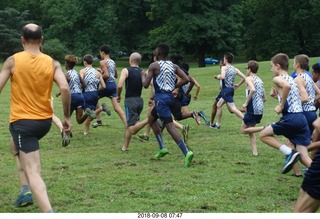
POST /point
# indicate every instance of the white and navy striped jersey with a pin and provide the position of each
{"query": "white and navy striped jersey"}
(111, 70)
(309, 106)
(293, 103)
(230, 76)
(74, 83)
(92, 82)
(165, 81)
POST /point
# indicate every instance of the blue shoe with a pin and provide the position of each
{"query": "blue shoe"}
(24, 200)
(188, 159)
(203, 116)
(291, 159)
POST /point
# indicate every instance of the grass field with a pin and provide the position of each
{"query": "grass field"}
(93, 175)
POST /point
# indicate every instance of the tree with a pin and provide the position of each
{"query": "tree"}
(199, 27)
(281, 26)
(11, 22)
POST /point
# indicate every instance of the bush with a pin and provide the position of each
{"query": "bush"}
(55, 49)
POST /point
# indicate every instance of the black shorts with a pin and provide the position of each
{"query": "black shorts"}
(311, 181)
(27, 133)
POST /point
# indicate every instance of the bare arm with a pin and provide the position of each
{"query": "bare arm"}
(6, 71)
(63, 85)
(102, 83)
(146, 78)
(123, 77)
(104, 69)
(283, 88)
(251, 88)
(197, 90)
(302, 89)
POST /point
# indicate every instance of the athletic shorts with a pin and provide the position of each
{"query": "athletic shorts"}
(27, 133)
(134, 107)
(164, 104)
(311, 181)
(227, 94)
(218, 97)
(311, 117)
(77, 101)
(176, 109)
(251, 119)
(185, 101)
(293, 126)
(110, 91)
(90, 99)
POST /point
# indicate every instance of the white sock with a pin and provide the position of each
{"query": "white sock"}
(217, 124)
(285, 149)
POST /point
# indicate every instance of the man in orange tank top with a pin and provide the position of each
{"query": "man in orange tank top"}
(32, 74)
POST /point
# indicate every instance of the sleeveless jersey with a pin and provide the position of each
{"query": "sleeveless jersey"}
(74, 83)
(165, 81)
(133, 82)
(293, 103)
(255, 105)
(309, 106)
(229, 78)
(31, 87)
(92, 82)
(111, 70)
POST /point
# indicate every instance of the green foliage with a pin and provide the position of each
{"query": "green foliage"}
(281, 26)
(11, 21)
(55, 49)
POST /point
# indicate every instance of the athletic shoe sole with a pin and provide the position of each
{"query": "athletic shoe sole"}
(288, 166)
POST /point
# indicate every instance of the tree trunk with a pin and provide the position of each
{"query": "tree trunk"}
(201, 56)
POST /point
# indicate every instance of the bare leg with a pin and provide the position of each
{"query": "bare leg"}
(132, 130)
(117, 108)
(233, 109)
(306, 203)
(30, 163)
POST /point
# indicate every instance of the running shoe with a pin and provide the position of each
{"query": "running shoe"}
(65, 139)
(161, 153)
(291, 159)
(143, 137)
(105, 109)
(24, 200)
(96, 124)
(196, 117)
(203, 116)
(185, 132)
(215, 126)
(188, 159)
(91, 113)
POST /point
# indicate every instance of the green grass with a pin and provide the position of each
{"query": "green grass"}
(93, 175)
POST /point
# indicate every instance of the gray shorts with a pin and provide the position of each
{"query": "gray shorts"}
(134, 107)
(27, 133)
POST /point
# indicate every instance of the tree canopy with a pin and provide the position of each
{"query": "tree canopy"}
(257, 28)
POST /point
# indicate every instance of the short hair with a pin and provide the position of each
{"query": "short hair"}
(282, 60)
(253, 65)
(136, 58)
(88, 58)
(229, 57)
(303, 61)
(31, 33)
(163, 49)
(71, 60)
(316, 68)
(105, 49)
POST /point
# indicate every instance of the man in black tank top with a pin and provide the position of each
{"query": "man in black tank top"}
(133, 102)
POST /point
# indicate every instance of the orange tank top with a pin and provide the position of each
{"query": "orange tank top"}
(31, 86)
